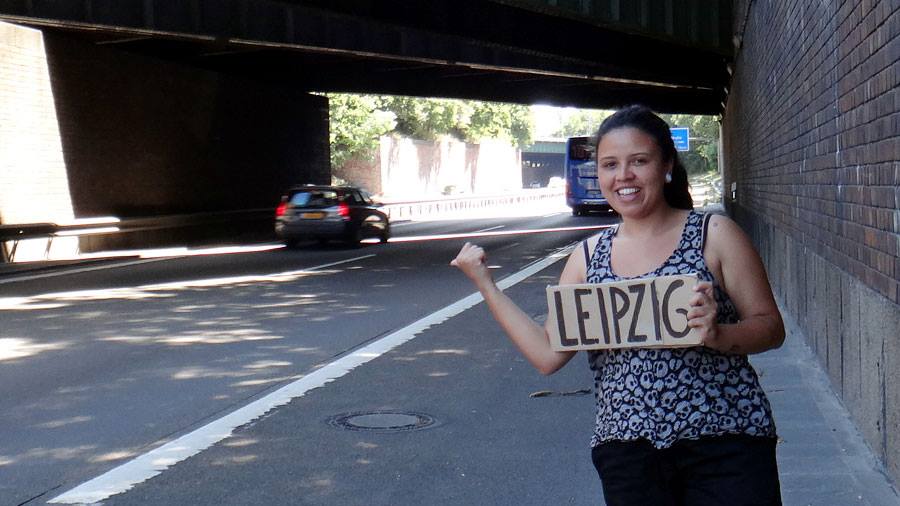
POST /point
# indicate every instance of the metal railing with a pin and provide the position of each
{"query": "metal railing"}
(12, 234)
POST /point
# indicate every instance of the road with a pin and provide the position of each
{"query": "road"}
(102, 365)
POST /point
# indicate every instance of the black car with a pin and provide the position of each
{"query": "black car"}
(329, 212)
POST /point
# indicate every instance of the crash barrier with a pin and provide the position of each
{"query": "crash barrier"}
(403, 210)
(12, 234)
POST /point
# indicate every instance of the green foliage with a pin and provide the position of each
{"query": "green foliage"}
(358, 120)
(356, 124)
(582, 122)
(704, 135)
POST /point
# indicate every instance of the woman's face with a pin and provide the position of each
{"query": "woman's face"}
(631, 171)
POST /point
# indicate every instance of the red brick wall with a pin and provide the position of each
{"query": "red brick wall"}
(812, 141)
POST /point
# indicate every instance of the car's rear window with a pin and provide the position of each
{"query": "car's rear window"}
(314, 198)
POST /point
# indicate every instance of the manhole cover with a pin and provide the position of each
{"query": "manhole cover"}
(382, 421)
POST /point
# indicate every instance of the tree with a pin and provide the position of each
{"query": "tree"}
(466, 120)
(582, 122)
(704, 135)
(357, 121)
(356, 124)
(495, 120)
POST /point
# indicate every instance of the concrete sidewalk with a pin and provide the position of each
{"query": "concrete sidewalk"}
(822, 457)
(493, 441)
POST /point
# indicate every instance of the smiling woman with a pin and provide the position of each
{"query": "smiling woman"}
(677, 425)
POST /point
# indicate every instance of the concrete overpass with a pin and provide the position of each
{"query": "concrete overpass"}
(137, 107)
(153, 107)
(669, 54)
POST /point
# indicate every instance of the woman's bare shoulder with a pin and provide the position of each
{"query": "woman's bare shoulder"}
(722, 228)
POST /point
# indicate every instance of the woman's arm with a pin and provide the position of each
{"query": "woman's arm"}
(531, 339)
(740, 272)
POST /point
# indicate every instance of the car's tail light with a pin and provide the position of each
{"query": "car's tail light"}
(280, 210)
(343, 209)
(568, 189)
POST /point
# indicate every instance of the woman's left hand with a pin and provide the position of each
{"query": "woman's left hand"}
(702, 315)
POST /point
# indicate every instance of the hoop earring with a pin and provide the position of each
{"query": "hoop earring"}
(668, 177)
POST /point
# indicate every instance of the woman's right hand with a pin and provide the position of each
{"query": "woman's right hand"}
(472, 260)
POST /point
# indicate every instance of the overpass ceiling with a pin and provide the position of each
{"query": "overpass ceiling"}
(671, 55)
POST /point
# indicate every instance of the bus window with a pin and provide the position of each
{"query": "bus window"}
(580, 151)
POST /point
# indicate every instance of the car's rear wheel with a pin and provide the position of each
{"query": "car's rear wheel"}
(291, 243)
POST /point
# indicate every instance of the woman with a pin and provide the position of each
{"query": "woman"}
(688, 426)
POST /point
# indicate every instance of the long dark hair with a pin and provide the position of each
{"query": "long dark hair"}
(637, 116)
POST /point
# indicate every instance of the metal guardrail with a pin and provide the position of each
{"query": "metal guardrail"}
(411, 209)
(11, 235)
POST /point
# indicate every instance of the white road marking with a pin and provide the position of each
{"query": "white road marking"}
(154, 462)
(15, 303)
(30, 277)
(489, 229)
(494, 233)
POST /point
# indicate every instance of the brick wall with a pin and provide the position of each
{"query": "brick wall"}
(812, 141)
(103, 132)
(33, 183)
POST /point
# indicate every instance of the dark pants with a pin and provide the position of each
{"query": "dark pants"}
(718, 470)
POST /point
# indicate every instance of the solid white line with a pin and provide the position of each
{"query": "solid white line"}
(30, 277)
(495, 233)
(489, 229)
(154, 462)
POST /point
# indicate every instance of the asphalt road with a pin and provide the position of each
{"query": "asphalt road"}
(103, 365)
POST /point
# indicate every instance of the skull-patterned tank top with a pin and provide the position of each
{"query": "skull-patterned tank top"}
(664, 395)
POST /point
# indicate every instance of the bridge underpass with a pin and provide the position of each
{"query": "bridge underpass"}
(671, 55)
(808, 92)
(166, 108)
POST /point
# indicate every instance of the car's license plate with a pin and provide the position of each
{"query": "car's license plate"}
(312, 216)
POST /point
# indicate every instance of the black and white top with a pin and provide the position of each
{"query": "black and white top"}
(663, 395)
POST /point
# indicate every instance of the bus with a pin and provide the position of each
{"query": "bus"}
(582, 189)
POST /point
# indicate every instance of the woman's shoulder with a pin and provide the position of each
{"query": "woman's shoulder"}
(719, 225)
(725, 238)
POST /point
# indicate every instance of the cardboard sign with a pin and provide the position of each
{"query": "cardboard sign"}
(639, 313)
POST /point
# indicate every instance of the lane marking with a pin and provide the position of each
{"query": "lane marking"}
(27, 302)
(79, 270)
(489, 229)
(124, 477)
(146, 256)
(495, 233)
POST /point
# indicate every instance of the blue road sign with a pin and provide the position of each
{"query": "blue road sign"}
(680, 136)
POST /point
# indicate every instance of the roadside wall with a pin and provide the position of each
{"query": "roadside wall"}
(408, 168)
(812, 144)
(34, 186)
(117, 134)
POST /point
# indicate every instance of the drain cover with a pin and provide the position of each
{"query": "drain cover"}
(382, 421)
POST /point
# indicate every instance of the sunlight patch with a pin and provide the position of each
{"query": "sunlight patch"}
(55, 424)
(112, 457)
(265, 364)
(17, 347)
